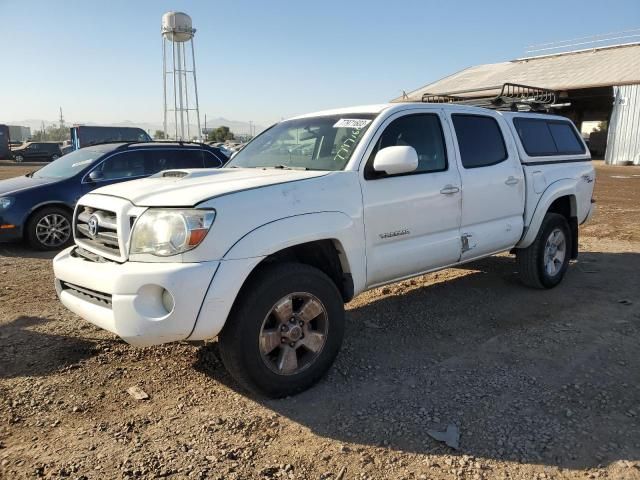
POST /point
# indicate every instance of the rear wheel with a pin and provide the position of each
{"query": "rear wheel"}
(544, 263)
(49, 229)
(284, 331)
(55, 156)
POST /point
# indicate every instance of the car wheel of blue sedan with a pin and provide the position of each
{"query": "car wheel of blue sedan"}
(49, 229)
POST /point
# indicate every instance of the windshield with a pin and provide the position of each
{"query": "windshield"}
(313, 143)
(69, 164)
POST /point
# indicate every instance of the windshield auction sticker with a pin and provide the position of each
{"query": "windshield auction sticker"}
(83, 162)
(356, 123)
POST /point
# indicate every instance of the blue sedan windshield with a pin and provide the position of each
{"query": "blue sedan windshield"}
(70, 164)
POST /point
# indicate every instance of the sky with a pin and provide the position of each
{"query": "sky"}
(259, 60)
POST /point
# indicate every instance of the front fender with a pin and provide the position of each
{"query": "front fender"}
(245, 255)
(560, 188)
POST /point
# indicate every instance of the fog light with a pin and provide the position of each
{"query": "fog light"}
(167, 301)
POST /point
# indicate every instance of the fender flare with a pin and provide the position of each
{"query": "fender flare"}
(246, 254)
(560, 188)
(338, 227)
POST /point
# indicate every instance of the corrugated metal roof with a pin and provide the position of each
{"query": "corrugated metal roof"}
(615, 65)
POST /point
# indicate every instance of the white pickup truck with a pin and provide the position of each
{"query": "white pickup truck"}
(265, 252)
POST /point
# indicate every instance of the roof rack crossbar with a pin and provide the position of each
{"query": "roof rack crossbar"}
(512, 96)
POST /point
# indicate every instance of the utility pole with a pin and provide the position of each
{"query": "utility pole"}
(60, 132)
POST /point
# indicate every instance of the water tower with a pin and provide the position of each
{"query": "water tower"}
(180, 87)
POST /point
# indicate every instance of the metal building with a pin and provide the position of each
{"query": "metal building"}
(595, 84)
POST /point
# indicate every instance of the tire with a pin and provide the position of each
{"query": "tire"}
(49, 229)
(54, 157)
(540, 265)
(253, 328)
(19, 158)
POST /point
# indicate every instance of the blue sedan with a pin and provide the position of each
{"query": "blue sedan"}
(38, 207)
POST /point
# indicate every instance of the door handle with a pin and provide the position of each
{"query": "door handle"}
(449, 189)
(511, 181)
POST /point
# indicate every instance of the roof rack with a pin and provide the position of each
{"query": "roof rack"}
(127, 143)
(512, 96)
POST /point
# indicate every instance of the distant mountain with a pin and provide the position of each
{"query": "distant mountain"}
(236, 126)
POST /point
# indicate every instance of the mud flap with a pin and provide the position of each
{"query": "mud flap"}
(573, 226)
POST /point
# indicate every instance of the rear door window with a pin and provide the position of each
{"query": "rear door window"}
(160, 160)
(211, 161)
(480, 140)
(542, 137)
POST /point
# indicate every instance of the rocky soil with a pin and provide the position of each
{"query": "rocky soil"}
(540, 384)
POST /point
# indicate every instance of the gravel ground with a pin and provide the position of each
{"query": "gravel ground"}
(541, 384)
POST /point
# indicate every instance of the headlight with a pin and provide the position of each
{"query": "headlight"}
(5, 202)
(169, 232)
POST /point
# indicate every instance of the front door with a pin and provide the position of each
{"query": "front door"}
(412, 220)
(119, 167)
(492, 184)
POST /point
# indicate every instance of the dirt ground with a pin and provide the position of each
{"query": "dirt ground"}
(541, 384)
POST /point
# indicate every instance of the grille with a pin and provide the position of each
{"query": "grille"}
(98, 229)
(93, 296)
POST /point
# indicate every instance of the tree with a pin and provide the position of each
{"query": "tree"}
(52, 133)
(159, 135)
(602, 126)
(220, 134)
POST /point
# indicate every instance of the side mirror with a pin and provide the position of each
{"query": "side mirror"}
(395, 160)
(96, 175)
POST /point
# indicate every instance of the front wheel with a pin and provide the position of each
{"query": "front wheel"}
(284, 331)
(19, 158)
(544, 263)
(49, 229)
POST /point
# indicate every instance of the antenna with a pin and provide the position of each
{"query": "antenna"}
(593, 41)
(178, 72)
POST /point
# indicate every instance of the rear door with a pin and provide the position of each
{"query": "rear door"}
(412, 220)
(170, 159)
(492, 178)
(212, 161)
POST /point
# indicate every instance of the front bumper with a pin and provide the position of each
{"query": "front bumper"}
(126, 299)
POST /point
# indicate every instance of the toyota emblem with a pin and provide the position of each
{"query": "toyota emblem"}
(92, 225)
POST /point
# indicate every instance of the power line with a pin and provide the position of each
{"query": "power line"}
(582, 41)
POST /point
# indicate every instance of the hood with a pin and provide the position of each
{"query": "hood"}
(14, 185)
(182, 188)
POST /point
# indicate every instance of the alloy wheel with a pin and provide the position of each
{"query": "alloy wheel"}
(53, 230)
(555, 251)
(293, 333)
